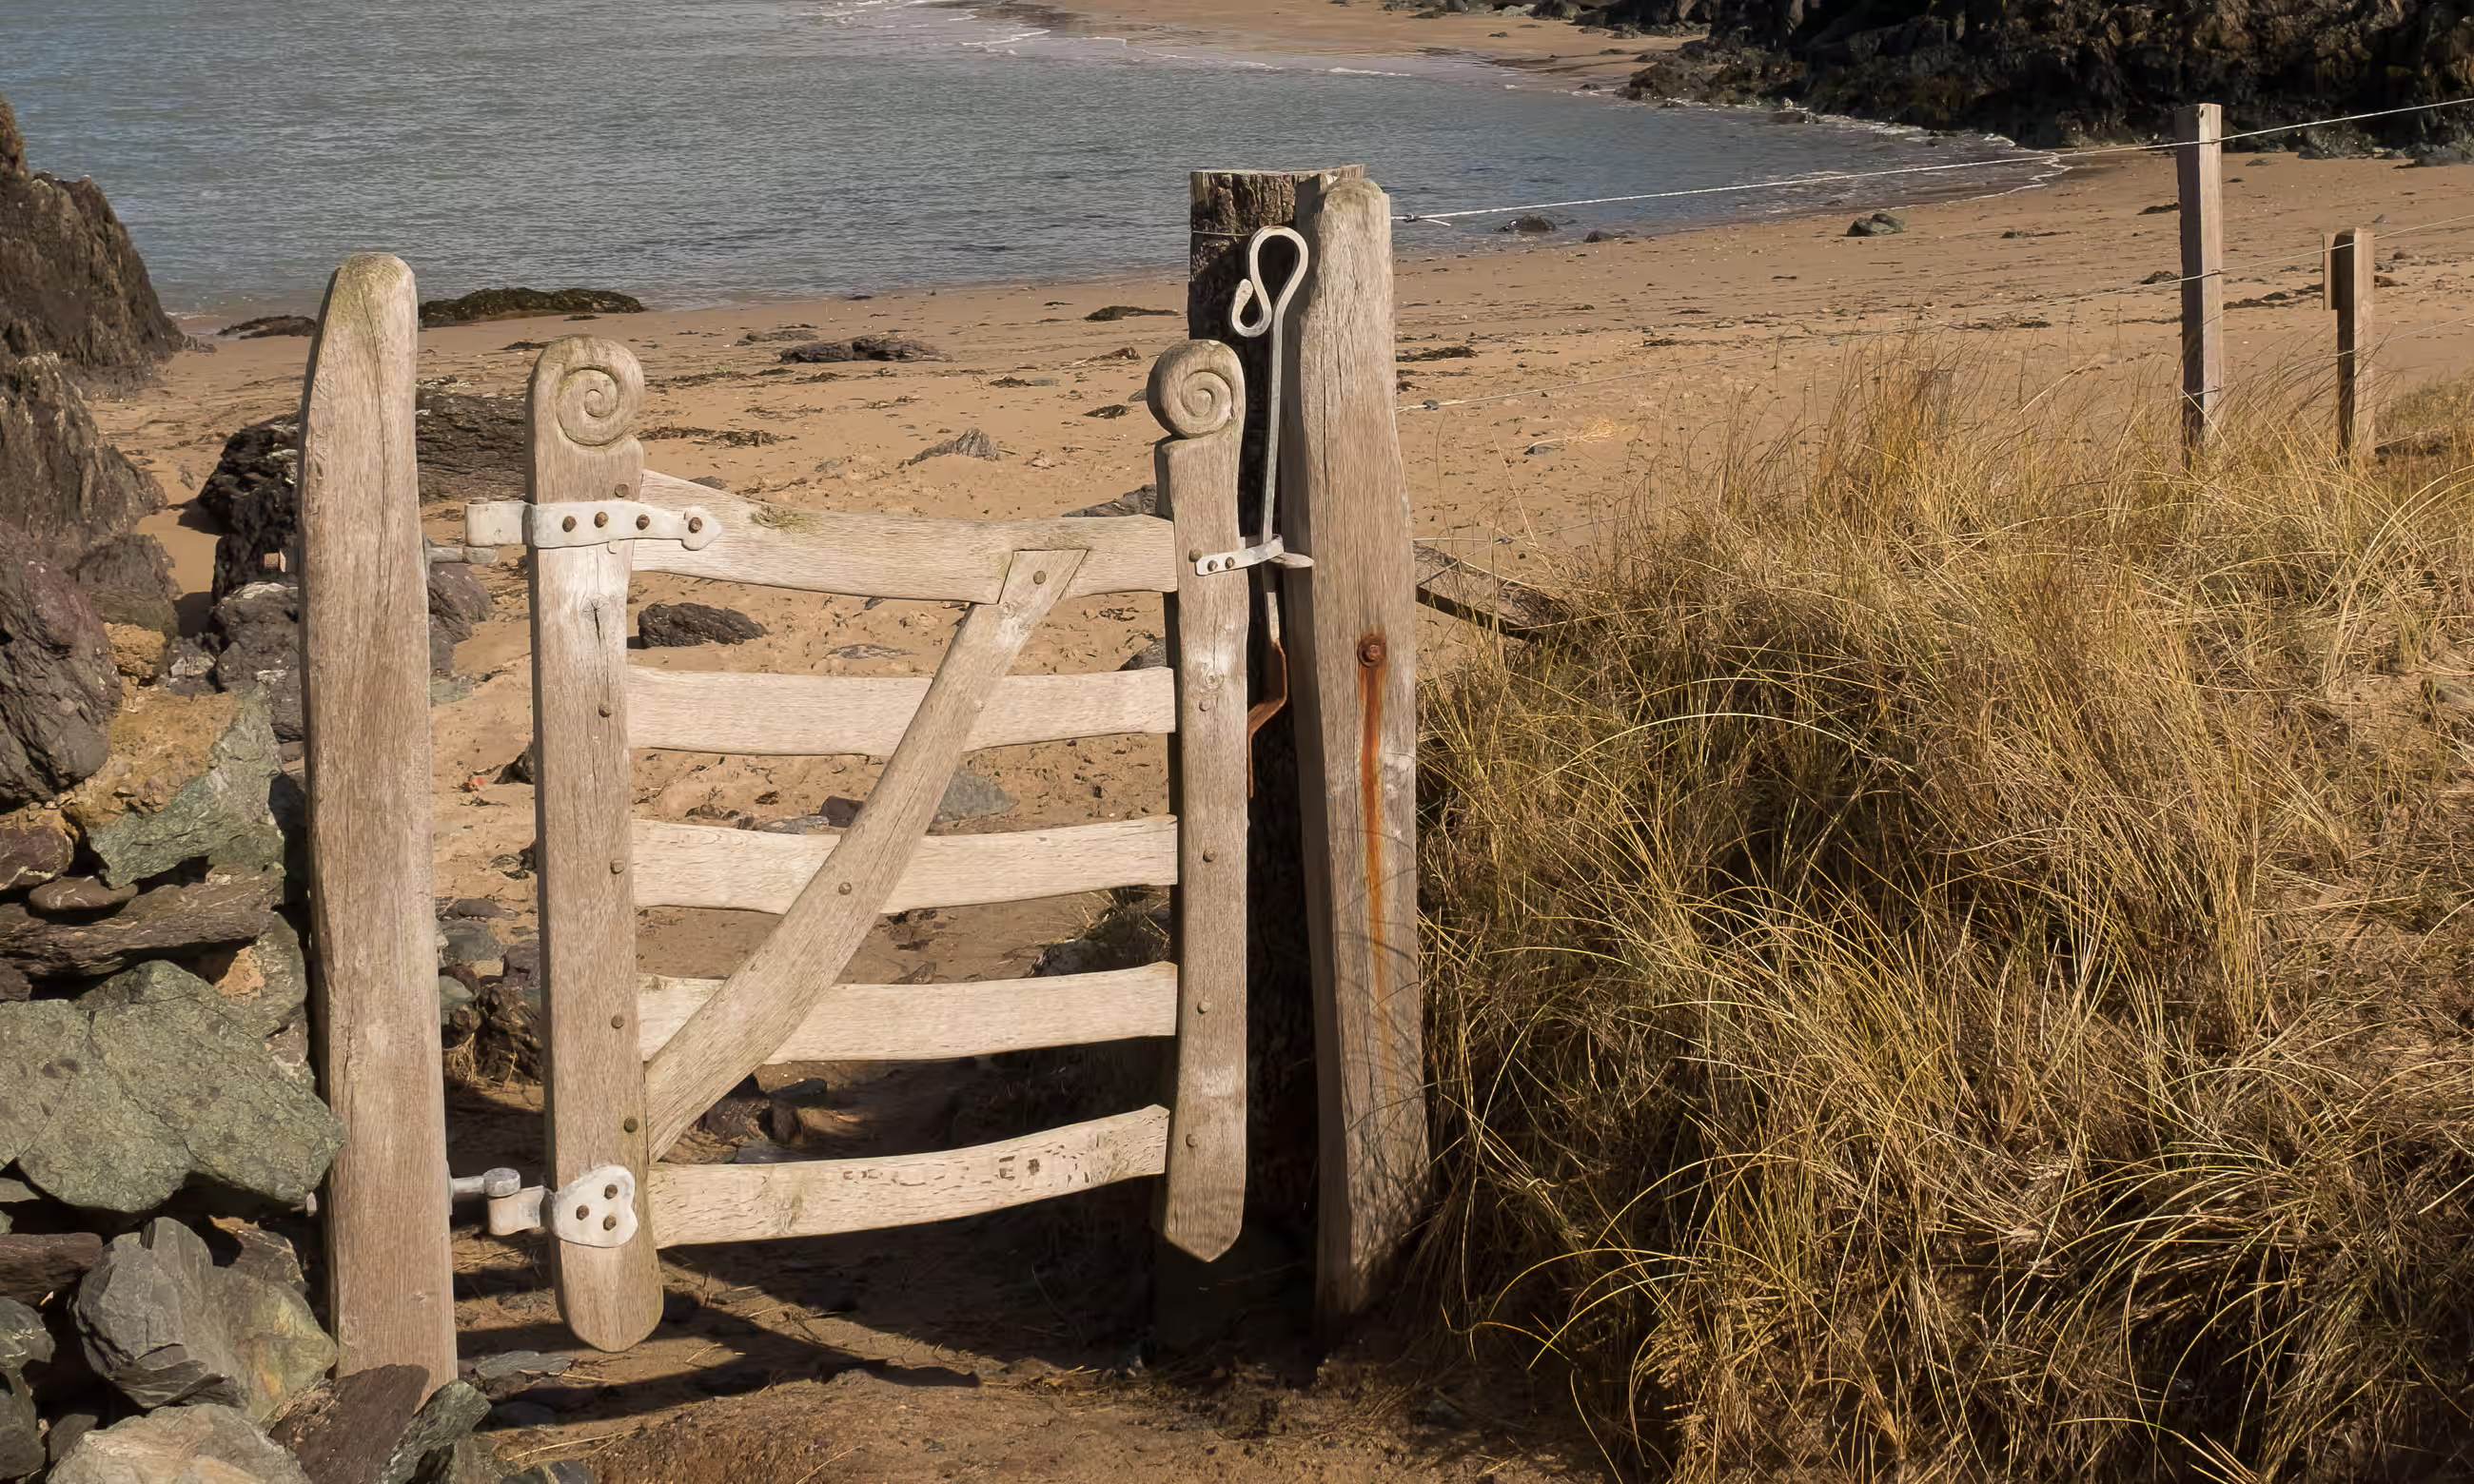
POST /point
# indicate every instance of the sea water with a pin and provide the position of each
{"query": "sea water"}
(702, 152)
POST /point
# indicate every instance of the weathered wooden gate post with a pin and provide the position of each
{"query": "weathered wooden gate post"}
(1355, 667)
(2197, 165)
(365, 698)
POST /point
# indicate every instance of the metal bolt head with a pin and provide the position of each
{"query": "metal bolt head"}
(603, 709)
(643, 523)
(567, 524)
(618, 868)
(1038, 577)
(617, 1023)
(1195, 555)
(600, 517)
(1210, 855)
(1370, 651)
(845, 888)
(629, 1126)
(696, 522)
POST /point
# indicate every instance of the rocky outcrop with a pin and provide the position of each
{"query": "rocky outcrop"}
(2062, 71)
(71, 283)
(470, 448)
(69, 498)
(59, 685)
(679, 625)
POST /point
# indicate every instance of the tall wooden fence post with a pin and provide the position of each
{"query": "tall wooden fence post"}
(365, 693)
(2199, 166)
(2352, 274)
(1354, 661)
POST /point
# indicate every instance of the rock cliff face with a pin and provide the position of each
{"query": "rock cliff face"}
(71, 283)
(2057, 71)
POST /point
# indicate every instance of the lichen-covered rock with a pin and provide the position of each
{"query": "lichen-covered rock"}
(521, 303)
(160, 1321)
(450, 1416)
(181, 1445)
(221, 817)
(266, 984)
(42, 1048)
(58, 686)
(21, 1431)
(245, 1125)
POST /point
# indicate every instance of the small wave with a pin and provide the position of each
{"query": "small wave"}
(1367, 72)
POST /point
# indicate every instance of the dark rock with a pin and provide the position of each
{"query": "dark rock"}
(519, 1413)
(222, 817)
(267, 326)
(1441, 353)
(344, 1430)
(267, 1258)
(1607, 235)
(507, 1045)
(969, 796)
(203, 1444)
(14, 989)
(1531, 224)
(129, 580)
(467, 943)
(32, 850)
(59, 684)
(1152, 656)
(1880, 223)
(469, 448)
(450, 1413)
(521, 303)
(481, 907)
(1143, 501)
(256, 634)
(970, 444)
(67, 1428)
(1108, 410)
(71, 283)
(1128, 312)
(23, 1337)
(165, 922)
(472, 1460)
(160, 1321)
(457, 605)
(503, 1375)
(864, 348)
(186, 669)
(453, 994)
(78, 894)
(35, 1265)
(21, 1431)
(678, 625)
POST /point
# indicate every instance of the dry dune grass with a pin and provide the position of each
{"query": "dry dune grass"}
(1961, 972)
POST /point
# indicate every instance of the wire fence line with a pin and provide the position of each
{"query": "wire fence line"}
(1951, 322)
(1840, 178)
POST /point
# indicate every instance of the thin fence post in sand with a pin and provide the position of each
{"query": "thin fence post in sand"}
(2199, 166)
(2351, 276)
(586, 393)
(365, 640)
(1354, 659)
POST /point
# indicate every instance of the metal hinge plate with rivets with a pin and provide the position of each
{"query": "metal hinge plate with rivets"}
(586, 523)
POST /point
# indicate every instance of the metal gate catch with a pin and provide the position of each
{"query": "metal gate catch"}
(596, 1208)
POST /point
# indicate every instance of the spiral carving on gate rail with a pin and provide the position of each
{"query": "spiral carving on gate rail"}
(593, 389)
(1198, 388)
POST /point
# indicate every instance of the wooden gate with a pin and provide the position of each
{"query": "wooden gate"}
(632, 1064)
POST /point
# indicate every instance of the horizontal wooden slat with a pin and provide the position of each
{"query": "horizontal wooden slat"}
(865, 554)
(748, 1202)
(821, 716)
(708, 865)
(928, 1022)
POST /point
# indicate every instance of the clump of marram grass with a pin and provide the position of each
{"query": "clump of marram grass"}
(1959, 971)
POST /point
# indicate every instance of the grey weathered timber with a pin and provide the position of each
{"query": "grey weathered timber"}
(2352, 275)
(366, 710)
(757, 1009)
(586, 393)
(2199, 167)
(1198, 396)
(1354, 659)
(1475, 595)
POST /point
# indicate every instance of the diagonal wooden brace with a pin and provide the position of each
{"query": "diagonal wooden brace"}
(757, 1009)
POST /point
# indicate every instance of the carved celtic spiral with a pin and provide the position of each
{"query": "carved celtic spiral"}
(1198, 388)
(594, 388)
